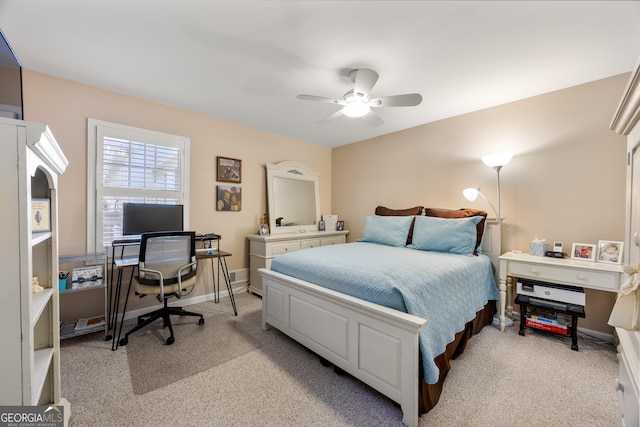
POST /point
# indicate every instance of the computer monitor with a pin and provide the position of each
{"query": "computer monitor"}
(138, 218)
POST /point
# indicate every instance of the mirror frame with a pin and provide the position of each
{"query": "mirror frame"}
(291, 170)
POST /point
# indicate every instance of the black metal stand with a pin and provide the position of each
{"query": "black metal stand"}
(572, 310)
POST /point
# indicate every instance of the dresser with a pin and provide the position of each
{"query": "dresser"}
(262, 249)
(626, 121)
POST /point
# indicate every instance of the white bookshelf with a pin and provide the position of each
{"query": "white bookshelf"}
(30, 360)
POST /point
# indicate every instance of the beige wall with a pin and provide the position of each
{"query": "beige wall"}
(65, 106)
(565, 183)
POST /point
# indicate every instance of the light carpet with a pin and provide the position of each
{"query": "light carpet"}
(153, 364)
(501, 380)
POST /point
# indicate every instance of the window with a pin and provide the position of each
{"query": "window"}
(127, 164)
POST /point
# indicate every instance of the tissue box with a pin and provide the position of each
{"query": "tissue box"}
(330, 222)
(538, 248)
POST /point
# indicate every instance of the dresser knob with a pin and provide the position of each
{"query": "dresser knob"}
(534, 271)
(581, 277)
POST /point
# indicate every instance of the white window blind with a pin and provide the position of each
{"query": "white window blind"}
(132, 166)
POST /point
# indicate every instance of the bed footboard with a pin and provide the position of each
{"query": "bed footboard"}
(375, 344)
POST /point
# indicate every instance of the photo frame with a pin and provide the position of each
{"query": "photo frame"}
(321, 226)
(340, 225)
(264, 229)
(229, 170)
(610, 251)
(583, 251)
(229, 198)
(40, 215)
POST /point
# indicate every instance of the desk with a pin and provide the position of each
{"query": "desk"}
(222, 267)
(563, 271)
(123, 262)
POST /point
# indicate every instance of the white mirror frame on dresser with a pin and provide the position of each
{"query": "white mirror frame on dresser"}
(279, 204)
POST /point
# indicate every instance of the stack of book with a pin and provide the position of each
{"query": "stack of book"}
(91, 323)
(557, 326)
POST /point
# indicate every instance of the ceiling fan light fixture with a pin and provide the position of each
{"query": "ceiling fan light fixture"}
(358, 102)
(356, 107)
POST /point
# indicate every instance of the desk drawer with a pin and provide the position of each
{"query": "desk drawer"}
(284, 247)
(592, 279)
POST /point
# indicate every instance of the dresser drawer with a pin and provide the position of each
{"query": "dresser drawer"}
(310, 243)
(284, 247)
(593, 279)
(332, 241)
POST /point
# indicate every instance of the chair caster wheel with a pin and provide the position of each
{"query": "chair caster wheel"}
(201, 322)
(124, 341)
(170, 340)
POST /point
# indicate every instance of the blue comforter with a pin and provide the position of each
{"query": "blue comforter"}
(446, 289)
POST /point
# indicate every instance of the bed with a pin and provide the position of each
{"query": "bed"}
(381, 308)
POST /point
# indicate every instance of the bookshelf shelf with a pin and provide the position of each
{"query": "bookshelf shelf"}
(68, 312)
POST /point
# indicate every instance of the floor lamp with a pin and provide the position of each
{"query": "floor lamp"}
(495, 161)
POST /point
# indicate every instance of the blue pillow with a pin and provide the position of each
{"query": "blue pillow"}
(453, 235)
(387, 230)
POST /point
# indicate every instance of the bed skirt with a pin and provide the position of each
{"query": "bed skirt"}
(430, 393)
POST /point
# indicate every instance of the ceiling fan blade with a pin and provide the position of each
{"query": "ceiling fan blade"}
(321, 98)
(373, 119)
(364, 81)
(407, 100)
(332, 117)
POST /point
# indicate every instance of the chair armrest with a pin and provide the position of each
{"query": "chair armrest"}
(191, 264)
(148, 270)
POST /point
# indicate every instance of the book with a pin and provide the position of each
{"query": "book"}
(558, 329)
(89, 323)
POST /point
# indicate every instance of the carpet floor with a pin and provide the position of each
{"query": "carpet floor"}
(502, 379)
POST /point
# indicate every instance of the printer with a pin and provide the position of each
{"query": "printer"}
(559, 297)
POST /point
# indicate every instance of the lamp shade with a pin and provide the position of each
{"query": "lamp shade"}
(471, 194)
(356, 107)
(497, 159)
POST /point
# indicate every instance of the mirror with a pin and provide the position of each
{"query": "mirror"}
(293, 198)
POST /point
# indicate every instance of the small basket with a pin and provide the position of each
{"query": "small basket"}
(63, 276)
(538, 248)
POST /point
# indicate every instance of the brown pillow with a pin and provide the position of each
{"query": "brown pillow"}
(461, 213)
(383, 211)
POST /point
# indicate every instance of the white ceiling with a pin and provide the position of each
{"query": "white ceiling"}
(245, 61)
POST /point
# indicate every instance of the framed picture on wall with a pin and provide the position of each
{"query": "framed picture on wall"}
(229, 170)
(583, 251)
(610, 251)
(228, 198)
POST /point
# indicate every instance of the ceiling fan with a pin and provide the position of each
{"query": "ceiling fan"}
(358, 101)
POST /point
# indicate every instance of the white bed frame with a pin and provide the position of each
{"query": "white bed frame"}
(375, 344)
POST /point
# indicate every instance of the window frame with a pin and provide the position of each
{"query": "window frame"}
(96, 131)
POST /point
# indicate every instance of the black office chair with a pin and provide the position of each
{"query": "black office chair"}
(166, 268)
